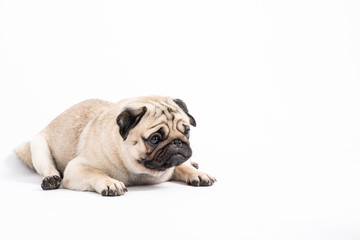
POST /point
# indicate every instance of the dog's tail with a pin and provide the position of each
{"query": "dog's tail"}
(24, 153)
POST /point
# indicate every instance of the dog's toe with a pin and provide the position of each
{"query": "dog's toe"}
(114, 188)
(201, 179)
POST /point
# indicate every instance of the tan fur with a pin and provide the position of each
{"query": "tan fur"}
(84, 143)
(188, 173)
(24, 153)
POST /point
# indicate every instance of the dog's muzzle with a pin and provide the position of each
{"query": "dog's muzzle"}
(173, 154)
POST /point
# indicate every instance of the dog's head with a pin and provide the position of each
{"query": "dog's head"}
(155, 132)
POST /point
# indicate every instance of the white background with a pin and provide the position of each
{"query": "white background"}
(274, 87)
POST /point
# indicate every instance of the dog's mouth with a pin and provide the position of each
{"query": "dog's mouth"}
(169, 157)
(173, 161)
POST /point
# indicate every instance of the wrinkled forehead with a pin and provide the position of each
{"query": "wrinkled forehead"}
(165, 118)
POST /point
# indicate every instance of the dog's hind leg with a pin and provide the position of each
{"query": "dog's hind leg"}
(44, 164)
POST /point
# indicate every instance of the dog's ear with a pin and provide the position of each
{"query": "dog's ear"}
(128, 119)
(183, 106)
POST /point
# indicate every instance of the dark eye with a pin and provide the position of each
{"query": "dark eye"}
(155, 139)
(187, 133)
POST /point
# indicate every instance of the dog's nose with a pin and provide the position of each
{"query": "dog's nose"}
(177, 142)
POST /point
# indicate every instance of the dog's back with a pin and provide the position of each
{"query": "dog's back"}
(60, 134)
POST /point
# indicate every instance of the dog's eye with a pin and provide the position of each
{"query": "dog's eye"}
(155, 139)
(187, 133)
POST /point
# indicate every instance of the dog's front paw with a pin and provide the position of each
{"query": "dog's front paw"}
(112, 187)
(200, 179)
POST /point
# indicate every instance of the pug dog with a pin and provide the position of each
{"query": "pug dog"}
(105, 147)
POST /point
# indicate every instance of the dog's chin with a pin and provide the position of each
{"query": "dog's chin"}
(173, 161)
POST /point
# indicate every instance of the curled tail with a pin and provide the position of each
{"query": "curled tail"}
(24, 153)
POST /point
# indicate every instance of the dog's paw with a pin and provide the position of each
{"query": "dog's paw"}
(200, 179)
(113, 187)
(51, 182)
